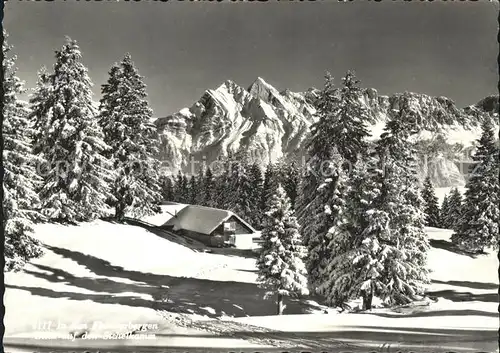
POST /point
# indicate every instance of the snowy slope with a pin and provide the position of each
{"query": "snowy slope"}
(82, 263)
(117, 274)
(108, 276)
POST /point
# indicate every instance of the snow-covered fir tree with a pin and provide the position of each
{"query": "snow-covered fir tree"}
(178, 190)
(350, 121)
(76, 174)
(20, 198)
(310, 204)
(479, 222)
(328, 240)
(40, 101)
(431, 204)
(281, 269)
(208, 189)
(290, 179)
(307, 205)
(338, 140)
(356, 264)
(444, 210)
(240, 189)
(451, 219)
(199, 197)
(192, 190)
(256, 183)
(125, 117)
(405, 273)
(379, 246)
(224, 186)
(167, 187)
(183, 189)
(341, 279)
(269, 186)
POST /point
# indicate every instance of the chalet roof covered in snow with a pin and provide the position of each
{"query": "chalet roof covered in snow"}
(203, 219)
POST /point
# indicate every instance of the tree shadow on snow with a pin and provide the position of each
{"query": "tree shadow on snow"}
(104, 268)
(475, 285)
(174, 294)
(245, 253)
(457, 296)
(133, 301)
(56, 275)
(246, 270)
(433, 313)
(449, 246)
(465, 296)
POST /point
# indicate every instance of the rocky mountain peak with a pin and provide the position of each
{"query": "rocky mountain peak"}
(230, 86)
(490, 104)
(263, 90)
(267, 125)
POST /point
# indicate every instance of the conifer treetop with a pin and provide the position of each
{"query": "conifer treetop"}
(20, 179)
(281, 267)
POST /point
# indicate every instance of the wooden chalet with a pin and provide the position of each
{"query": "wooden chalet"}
(212, 226)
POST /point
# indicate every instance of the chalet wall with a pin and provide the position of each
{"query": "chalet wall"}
(205, 239)
(243, 235)
(240, 228)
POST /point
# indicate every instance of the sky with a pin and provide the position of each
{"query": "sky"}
(183, 48)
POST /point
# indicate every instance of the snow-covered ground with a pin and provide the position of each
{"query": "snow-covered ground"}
(464, 317)
(119, 274)
(105, 276)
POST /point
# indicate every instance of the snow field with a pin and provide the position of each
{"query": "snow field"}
(114, 274)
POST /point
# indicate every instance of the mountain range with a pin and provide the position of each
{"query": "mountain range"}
(267, 125)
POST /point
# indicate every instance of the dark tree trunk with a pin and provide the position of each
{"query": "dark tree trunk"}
(367, 299)
(119, 212)
(281, 307)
